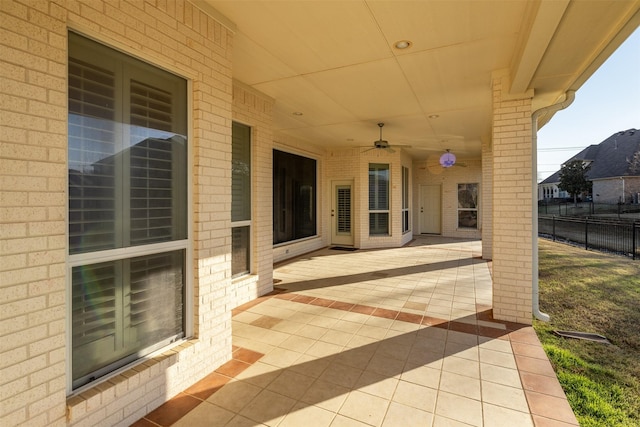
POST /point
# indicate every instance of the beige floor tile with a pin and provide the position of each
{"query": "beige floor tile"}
(460, 385)
(324, 349)
(297, 343)
(494, 344)
(337, 337)
(288, 327)
(457, 365)
(355, 317)
(238, 421)
(462, 338)
(281, 357)
(505, 396)
(393, 348)
(376, 384)
(461, 350)
(422, 375)
(244, 317)
(234, 395)
(386, 366)
(205, 414)
(326, 395)
(497, 416)
(498, 374)
(311, 331)
(346, 326)
(291, 384)
(459, 408)
(364, 407)
(401, 415)
(307, 416)
(323, 322)
(259, 374)
(372, 332)
(310, 365)
(342, 421)
(362, 341)
(416, 396)
(433, 333)
(498, 358)
(401, 326)
(356, 357)
(252, 345)
(440, 421)
(342, 375)
(268, 408)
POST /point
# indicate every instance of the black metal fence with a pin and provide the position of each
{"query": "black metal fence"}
(620, 237)
(591, 209)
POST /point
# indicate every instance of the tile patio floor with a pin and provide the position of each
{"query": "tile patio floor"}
(389, 337)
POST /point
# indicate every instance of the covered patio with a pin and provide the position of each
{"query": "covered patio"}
(389, 337)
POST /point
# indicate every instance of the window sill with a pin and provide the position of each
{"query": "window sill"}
(123, 381)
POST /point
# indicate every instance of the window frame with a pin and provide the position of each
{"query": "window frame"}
(406, 210)
(284, 195)
(474, 187)
(244, 222)
(377, 201)
(130, 252)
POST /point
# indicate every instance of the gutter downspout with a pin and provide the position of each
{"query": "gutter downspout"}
(569, 97)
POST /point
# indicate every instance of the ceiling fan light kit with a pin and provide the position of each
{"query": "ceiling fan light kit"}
(447, 160)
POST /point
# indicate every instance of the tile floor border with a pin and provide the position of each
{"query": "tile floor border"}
(545, 398)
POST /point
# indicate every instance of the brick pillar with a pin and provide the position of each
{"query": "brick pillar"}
(487, 200)
(512, 204)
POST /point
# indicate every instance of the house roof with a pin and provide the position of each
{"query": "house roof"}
(335, 62)
(611, 158)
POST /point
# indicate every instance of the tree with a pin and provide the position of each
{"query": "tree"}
(634, 163)
(573, 178)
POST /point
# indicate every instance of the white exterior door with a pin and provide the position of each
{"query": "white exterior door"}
(430, 209)
(342, 213)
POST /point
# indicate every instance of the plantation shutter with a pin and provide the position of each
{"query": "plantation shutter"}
(93, 143)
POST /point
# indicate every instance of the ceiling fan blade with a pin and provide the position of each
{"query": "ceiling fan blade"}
(390, 150)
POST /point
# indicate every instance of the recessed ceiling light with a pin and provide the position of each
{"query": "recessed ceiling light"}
(434, 116)
(402, 44)
(297, 113)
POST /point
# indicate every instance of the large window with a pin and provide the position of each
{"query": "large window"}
(127, 159)
(468, 205)
(405, 200)
(294, 197)
(240, 199)
(378, 199)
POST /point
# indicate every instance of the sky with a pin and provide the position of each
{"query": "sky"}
(605, 104)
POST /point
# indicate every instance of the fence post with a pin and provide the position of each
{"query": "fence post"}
(553, 227)
(586, 233)
(633, 239)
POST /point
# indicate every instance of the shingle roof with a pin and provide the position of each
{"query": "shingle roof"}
(608, 159)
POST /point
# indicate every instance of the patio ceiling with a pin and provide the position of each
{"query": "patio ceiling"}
(335, 62)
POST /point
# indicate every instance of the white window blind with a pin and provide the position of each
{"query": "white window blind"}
(127, 208)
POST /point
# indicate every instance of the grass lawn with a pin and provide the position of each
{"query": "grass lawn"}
(589, 291)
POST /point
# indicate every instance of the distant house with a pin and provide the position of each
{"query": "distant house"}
(615, 170)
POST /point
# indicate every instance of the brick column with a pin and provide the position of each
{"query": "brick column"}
(512, 204)
(487, 200)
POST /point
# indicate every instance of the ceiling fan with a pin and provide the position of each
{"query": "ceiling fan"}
(436, 164)
(381, 143)
(448, 159)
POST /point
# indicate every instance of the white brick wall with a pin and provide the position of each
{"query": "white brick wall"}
(512, 205)
(256, 110)
(173, 35)
(487, 200)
